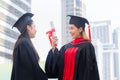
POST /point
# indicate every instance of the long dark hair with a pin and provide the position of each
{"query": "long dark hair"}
(25, 34)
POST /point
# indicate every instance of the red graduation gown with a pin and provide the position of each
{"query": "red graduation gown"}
(74, 61)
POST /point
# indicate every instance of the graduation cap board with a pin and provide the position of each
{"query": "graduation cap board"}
(21, 23)
(80, 22)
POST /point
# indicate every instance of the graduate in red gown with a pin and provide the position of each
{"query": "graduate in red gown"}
(75, 60)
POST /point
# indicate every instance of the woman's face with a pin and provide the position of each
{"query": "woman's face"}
(31, 30)
(74, 31)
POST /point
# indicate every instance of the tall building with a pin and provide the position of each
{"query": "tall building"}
(116, 37)
(117, 64)
(71, 7)
(102, 30)
(116, 42)
(109, 62)
(10, 11)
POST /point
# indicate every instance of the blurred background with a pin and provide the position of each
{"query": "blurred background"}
(103, 15)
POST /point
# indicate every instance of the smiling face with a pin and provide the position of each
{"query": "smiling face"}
(74, 31)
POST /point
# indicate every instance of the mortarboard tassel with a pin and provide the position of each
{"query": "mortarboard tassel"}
(89, 32)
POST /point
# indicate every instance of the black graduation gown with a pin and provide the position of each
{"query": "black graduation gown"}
(85, 62)
(25, 63)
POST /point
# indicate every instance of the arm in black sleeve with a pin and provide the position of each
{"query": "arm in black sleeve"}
(51, 66)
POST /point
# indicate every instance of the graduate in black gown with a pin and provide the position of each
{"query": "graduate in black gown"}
(75, 60)
(25, 57)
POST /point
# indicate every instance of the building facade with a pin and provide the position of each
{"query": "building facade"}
(116, 42)
(10, 11)
(70, 7)
(102, 30)
(108, 54)
(116, 37)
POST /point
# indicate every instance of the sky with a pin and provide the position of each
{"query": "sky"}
(104, 10)
(46, 11)
(50, 10)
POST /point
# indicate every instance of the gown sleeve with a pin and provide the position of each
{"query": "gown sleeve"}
(55, 63)
(25, 65)
(51, 65)
(87, 65)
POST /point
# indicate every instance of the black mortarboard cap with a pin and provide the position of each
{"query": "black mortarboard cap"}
(78, 21)
(23, 21)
